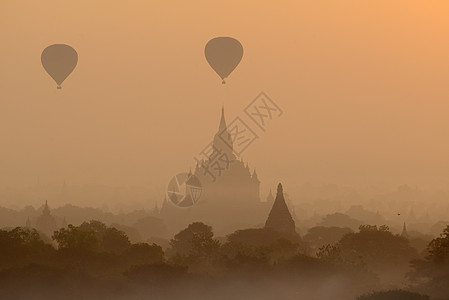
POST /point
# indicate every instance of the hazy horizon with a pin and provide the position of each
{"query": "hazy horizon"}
(363, 88)
(139, 141)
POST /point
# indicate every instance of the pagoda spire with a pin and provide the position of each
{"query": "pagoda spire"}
(223, 141)
(222, 126)
(280, 218)
(46, 210)
(404, 233)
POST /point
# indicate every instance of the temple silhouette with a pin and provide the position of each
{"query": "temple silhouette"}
(230, 197)
(46, 223)
(280, 218)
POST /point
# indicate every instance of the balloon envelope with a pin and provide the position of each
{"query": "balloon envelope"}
(59, 60)
(223, 54)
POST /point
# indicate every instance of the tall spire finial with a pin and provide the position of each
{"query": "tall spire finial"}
(223, 126)
(280, 218)
(222, 140)
(279, 189)
(270, 197)
(404, 231)
(46, 210)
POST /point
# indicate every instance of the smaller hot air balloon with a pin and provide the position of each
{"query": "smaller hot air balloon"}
(223, 54)
(59, 61)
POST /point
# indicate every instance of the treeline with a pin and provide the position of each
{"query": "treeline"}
(94, 261)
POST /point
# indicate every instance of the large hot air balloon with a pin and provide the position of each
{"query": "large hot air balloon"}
(223, 54)
(59, 60)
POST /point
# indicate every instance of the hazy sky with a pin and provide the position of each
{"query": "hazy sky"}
(364, 86)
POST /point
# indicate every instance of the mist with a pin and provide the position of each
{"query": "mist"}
(224, 150)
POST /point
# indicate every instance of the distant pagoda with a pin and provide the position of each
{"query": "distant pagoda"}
(270, 198)
(280, 218)
(230, 195)
(404, 233)
(46, 223)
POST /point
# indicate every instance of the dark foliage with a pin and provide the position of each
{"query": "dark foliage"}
(94, 261)
(432, 273)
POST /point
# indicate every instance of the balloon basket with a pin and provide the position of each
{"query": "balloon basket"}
(59, 87)
(223, 82)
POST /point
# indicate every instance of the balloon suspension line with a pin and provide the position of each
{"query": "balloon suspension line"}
(224, 93)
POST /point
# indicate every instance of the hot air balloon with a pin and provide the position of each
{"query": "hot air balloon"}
(223, 54)
(59, 60)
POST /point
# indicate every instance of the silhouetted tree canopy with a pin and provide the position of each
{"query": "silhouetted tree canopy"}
(100, 260)
(21, 245)
(377, 246)
(319, 236)
(439, 248)
(75, 238)
(432, 273)
(197, 239)
(255, 236)
(92, 236)
(262, 244)
(114, 240)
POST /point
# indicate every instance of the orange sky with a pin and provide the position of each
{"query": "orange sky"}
(364, 86)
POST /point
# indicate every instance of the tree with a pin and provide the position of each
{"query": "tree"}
(432, 273)
(196, 248)
(197, 239)
(114, 241)
(378, 246)
(330, 253)
(92, 236)
(320, 236)
(255, 237)
(261, 245)
(21, 245)
(439, 248)
(75, 239)
(282, 249)
(383, 252)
